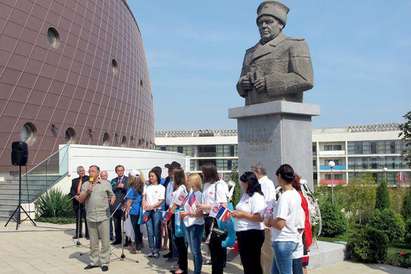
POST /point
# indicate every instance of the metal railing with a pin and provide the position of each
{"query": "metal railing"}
(44, 175)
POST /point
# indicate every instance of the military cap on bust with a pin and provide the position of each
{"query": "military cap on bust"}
(273, 8)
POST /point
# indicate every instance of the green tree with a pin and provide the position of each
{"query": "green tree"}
(358, 198)
(237, 191)
(406, 137)
(388, 222)
(382, 197)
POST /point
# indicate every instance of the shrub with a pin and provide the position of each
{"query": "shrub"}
(407, 235)
(390, 223)
(406, 206)
(358, 200)
(382, 200)
(367, 244)
(398, 258)
(54, 203)
(333, 220)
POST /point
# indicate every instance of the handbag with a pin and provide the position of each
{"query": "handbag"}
(179, 228)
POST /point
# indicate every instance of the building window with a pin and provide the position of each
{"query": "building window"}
(141, 83)
(207, 151)
(232, 151)
(53, 37)
(392, 147)
(180, 149)
(106, 139)
(28, 133)
(114, 66)
(373, 146)
(358, 148)
(163, 148)
(70, 135)
(229, 164)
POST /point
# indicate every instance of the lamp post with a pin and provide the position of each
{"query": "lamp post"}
(331, 164)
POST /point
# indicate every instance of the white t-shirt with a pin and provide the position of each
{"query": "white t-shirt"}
(179, 196)
(189, 221)
(299, 252)
(154, 193)
(215, 193)
(289, 209)
(253, 205)
(268, 189)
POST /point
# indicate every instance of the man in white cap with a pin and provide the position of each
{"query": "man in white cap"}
(277, 67)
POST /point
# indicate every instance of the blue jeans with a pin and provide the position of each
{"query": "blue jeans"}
(194, 234)
(283, 261)
(298, 266)
(154, 230)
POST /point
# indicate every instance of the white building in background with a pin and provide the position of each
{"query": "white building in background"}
(374, 149)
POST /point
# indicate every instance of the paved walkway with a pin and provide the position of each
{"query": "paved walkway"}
(39, 250)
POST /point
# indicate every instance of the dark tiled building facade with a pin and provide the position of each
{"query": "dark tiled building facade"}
(72, 71)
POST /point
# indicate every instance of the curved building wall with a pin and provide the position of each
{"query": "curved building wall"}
(72, 71)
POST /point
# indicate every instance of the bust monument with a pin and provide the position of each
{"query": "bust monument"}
(277, 67)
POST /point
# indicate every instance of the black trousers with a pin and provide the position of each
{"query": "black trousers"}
(217, 252)
(80, 213)
(117, 224)
(250, 243)
(138, 236)
(182, 253)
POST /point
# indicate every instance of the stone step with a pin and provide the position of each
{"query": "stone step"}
(325, 254)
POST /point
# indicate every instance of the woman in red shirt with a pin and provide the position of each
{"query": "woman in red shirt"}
(307, 234)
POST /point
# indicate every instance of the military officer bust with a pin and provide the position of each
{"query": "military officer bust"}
(278, 67)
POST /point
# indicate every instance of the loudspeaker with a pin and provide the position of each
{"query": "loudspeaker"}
(19, 153)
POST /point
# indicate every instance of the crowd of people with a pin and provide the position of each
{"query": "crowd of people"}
(185, 211)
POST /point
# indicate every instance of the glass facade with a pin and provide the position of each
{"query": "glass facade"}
(357, 158)
(390, 162)
(375, 147)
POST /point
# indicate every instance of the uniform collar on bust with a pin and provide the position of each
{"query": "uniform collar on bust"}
(277, 40)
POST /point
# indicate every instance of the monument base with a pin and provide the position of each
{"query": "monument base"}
(272, 134)
(275, 133)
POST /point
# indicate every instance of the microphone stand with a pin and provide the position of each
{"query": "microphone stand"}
(122, 256)
(78, 221)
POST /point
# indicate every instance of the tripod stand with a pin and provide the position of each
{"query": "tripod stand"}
(78, 228)
(19, 208)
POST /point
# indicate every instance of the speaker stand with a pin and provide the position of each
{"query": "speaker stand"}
(19, 208)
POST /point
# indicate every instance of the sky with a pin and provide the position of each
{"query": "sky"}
(360, 50)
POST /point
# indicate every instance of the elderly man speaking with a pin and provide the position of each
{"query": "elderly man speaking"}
(95, 194)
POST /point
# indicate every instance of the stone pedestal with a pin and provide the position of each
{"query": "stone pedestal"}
(275, 133)
(272, 134)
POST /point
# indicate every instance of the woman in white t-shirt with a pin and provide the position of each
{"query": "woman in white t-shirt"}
(215, 193)
(153, 198)
(177, 202)
(249, 223)
(193, 220)
(285, 222)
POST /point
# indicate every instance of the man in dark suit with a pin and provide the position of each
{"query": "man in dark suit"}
(120, 186)
(79, 210)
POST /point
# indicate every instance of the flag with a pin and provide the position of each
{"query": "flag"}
(214, 211)
(226, 215)
(220, 213)
(192, 203)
